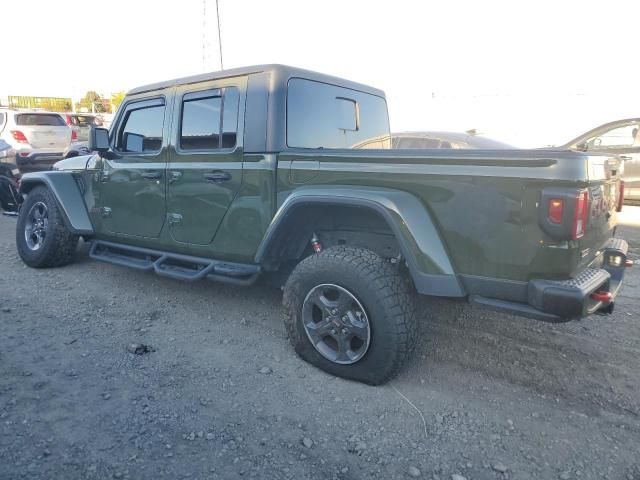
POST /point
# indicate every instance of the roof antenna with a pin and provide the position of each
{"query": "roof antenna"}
(205, 42)
(219, 35)
(204, 35)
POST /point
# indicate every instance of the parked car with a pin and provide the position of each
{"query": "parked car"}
(81, 124)
(252, 171)
(10, 198)
(457, 140)
(621, 138)
(38, 138)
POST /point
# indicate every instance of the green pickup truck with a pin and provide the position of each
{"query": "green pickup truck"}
(282, 173)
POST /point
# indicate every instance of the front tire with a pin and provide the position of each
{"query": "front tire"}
(42, 238)
(351, 314)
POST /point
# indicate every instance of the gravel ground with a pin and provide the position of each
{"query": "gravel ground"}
(223, 396)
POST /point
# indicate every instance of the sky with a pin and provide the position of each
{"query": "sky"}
(529, 73)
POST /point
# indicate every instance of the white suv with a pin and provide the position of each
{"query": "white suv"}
(39, 138)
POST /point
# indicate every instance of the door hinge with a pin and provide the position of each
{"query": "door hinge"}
(174, 218)
(105, 212)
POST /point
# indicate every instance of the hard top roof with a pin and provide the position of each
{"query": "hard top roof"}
(283, 71)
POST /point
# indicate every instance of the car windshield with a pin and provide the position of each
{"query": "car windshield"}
(39, 119)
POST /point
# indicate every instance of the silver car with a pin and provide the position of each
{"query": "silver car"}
(621, 138)
(38, 138)
(457, 140)
(81, 124)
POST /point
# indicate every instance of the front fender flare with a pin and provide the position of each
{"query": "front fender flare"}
(421, 245)
(64, 187)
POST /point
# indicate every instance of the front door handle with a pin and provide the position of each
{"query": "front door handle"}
(217, 177)
(625, 157)
(151, 175)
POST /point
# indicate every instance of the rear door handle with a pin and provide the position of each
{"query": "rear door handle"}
(151, 175)
(625, 157)
(217, 177)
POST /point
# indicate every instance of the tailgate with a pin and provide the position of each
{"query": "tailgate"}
(604, 190)
(44, 130)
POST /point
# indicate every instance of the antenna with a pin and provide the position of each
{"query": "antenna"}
(219, 35)
(205, 43)
(204, 35)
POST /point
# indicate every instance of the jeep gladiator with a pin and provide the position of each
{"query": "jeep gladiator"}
(277, 172)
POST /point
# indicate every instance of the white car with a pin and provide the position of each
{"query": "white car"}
(38, 138)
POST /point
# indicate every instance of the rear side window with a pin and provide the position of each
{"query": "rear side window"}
(40, 119)
(83, 120)
(209, 119)
(320, 115)
(2, 119)
(141, 130)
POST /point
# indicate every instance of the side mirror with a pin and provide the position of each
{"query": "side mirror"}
(99, 140)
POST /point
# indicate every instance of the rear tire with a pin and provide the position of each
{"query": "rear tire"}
(42, 238)
(351, 314)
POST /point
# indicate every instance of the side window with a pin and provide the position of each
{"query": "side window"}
(320, 115)
(2, 117)
(209, 119)
(141, 130)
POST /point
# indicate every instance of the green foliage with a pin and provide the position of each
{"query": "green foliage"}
(93, 101)
(117, 98)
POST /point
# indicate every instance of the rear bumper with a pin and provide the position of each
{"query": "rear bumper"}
(38, 158)
(563, 300)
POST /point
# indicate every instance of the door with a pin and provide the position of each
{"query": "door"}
(205, 167)
(132, 185)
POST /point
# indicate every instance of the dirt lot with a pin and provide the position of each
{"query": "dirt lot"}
(487, 396)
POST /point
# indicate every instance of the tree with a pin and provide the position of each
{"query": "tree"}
(92, 101)
(117, 98)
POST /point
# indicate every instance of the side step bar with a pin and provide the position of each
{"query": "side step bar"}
(173, 265)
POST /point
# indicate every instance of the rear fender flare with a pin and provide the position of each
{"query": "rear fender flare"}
(64, 187)
(420, 243)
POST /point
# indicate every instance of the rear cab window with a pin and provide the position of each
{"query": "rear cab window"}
(40, 119)
(83, 120)
(325, 116)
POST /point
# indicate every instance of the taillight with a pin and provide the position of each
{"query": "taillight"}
(19, 137)
(556, 208)
(620, 196)
(74, 135)
(580, 215)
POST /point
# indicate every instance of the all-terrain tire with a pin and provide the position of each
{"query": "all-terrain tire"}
(58, 245)
(386, 296)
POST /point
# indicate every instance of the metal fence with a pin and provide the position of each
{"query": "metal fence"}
(52, 104)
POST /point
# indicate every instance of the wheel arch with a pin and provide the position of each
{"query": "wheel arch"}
(67, 193)
(402, 213)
